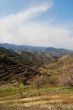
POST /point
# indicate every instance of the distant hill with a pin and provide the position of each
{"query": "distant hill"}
(36, 55)
(50, 50)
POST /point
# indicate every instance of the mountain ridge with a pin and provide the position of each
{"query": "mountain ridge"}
(26, 48)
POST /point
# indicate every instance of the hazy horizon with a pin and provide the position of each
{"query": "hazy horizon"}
(33, 46)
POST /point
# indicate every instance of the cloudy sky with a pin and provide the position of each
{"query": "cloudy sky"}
(37, 22)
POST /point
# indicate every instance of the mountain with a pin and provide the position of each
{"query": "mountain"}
(50, 50)
(36, 55)
(13, 64)
(53, 66)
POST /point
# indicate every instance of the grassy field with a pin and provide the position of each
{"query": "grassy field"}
(10, 92)
(16, 96)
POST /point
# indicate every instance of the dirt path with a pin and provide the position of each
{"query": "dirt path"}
(44, 99)
(44, 102)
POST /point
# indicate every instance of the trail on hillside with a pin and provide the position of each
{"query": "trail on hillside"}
(44, 99)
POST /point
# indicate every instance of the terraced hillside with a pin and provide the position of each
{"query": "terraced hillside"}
(12, 67)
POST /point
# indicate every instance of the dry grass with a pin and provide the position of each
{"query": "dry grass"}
(50, 98)
(63, 101)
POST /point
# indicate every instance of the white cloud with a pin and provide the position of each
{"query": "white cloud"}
(17, 29)
(46, 35)
(21, 17)
(10, 24)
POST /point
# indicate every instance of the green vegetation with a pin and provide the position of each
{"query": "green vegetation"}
(12, 92)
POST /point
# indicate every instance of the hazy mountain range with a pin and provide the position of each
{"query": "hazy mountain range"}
(51, 50)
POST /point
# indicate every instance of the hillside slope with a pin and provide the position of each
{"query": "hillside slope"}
(12, 68)
(60, 72)
(42, 68)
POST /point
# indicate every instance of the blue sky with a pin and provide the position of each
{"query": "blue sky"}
(37, 22)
